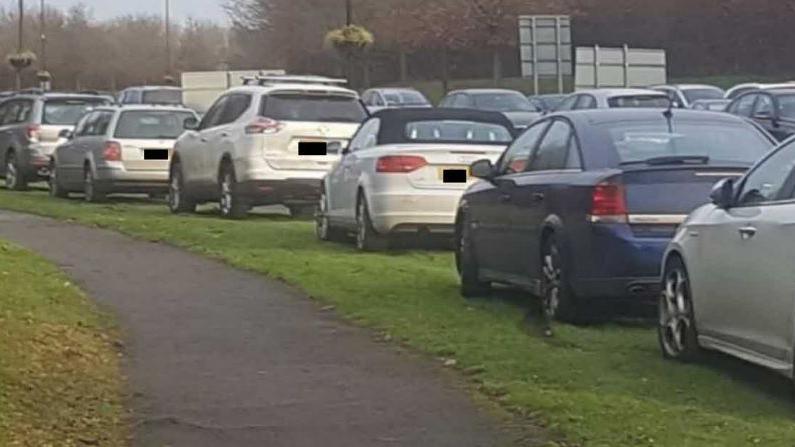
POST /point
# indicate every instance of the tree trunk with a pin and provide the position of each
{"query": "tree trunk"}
(19, 79)
(404, 69)
(496, 66)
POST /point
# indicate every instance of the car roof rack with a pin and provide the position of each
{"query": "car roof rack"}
(291, 79)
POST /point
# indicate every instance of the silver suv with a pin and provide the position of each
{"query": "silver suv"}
(264, 144)
(31, 126)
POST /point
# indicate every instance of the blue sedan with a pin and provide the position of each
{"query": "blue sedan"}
(582, 205)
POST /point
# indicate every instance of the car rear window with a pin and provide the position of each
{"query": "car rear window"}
(68, 111)
(694, 94)
(317, 108)
(639, 101)
(151, 125)
(638, 141)
(165, 96)
(405, 98)
(464, 132)
(786, 106)
(503, 102)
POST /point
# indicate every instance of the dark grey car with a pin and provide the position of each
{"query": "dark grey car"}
(510, 103)
(30, 129)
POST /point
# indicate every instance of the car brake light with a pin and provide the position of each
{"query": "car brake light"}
(33, 132)
(111, 151)
(608, 203)
(264, 126)
(400, 163)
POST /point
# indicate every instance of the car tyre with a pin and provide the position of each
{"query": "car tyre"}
(467, 264)
(676, 331)
(178, 200)
(558, 299)
(91, 191)
(323, 228)
(230, 203)
(367, 239)
(56, 189)
(14, 177)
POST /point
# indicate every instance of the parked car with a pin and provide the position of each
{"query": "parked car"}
(151, 94)
(611, 98)
(263, 145)
(30, 125)
(773, 109)
(727, 280)
(712, 105)
(739, 89)
(683, 95)
(384, 98)
(581, 207)
(405, 171)
(546, 103)
(118, 150)
(511, 103)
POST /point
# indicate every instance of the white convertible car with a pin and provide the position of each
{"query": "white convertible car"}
(405, 171)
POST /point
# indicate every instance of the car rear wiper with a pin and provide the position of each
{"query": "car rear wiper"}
(670, 160)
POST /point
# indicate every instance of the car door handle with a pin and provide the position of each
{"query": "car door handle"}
(747, 232)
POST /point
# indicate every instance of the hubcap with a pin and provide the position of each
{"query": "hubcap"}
(174, 193)
(551, 274)
(675, 312)
(361, 233)
(322, 219)
(11, 173)
(226, 194)
(89, 186)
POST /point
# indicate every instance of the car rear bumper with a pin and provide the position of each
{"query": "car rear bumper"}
(433, 211)
(290, 191)
(35, 160)
(119, 180)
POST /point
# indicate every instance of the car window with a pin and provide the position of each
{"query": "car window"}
(97, 124)
(457, 131)
(168, 96)
(17, 112)
(568, 103)
(313, 108)
(214, 114)
(367, 136)
(235, 106)
(502, 102)
(554, 148)
(87, 124)
(765, 183)
(744, 105)
(151, 124)
(67, 111)
(447, 101)
(586, 102)
(764, 106)
(573, 158)
(786, 106)
(694, 94)
(639, 101)
(516, 157)
(464, 101)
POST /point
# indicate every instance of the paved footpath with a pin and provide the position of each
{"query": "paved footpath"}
(219, 357)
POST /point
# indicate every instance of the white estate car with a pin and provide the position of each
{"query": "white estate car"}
(405, 171)
(264, 144)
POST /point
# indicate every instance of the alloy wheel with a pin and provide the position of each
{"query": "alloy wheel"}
(321, 219)
(226, 194)
(11, 172)
(675, 314)
(552, 275)
(175, 191)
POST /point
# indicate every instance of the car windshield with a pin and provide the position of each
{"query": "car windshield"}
(786, 106)
(67, 111)
(326, 108)
(164, 96)
(503, 102)
(639, 101)
(405, 98)
(723, 142)
(551, 102)
(694, 94)
(151, 125)
(458, 131)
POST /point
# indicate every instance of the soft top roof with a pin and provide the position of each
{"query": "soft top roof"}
(393, 121)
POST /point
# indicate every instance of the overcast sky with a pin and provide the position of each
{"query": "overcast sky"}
(105, 9)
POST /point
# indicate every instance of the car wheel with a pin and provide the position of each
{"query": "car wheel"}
(676, 331)
(91, 191)
(15, 180)
(56, 189)
(231, 204)
(323, 228)
(367, 239)
(178, 200)
(558, 299)
(466, 263)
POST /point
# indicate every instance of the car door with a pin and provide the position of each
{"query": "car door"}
(202, 169)
(744, 274)
(540, 192)
(344, 177)
(764, 115)
(71, 155)
(220, 138)
(489, 207)
(92, 144)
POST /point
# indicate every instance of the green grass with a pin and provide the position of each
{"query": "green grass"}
(60, 382)
(605, 385)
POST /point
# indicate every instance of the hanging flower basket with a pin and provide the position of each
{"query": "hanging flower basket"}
(22, 60)
(350, 40)
(43, 76)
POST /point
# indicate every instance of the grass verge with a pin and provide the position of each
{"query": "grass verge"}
(605, 385)
(60, 383)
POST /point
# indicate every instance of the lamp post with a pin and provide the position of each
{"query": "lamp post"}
(168, 37)
(348, 13)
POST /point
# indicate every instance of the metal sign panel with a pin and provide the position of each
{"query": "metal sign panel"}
(545, 48)
(619, 67)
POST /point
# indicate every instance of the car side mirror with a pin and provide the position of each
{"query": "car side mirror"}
(190, 123)
(722, 193)
(334, 147)
(66, 134)
(482, 169)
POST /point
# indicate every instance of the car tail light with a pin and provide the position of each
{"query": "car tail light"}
(400, 163)
(33, 132)
(111, 151)
(608, 203)
(264, 126)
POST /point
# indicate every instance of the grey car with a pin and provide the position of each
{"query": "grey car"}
(118, 150)
(727, 278)
(377, 99)
(30, 125)
(510, 103)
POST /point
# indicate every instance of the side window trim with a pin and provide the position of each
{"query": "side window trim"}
(546, 124)
(540, 141)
